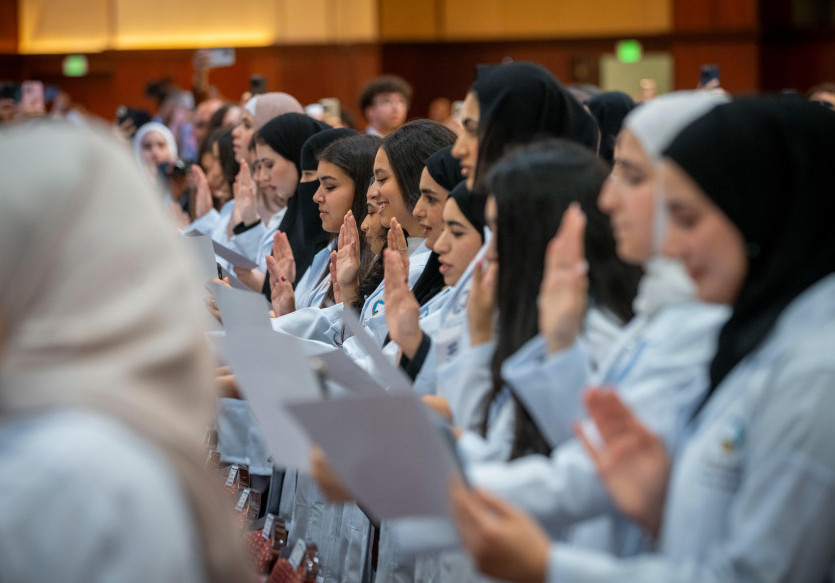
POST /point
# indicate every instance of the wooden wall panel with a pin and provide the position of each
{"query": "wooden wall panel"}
(66, 26)
(473, 19)
(309, 21)
(738, 61)
(356, 20)
(736, 14)
(119, 77)
(8, 27)
(54, 26)
(501, 20)
(797, 61)
(163, 24)
(415, 20)
(716, 15)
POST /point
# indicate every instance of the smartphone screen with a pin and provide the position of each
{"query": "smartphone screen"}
(709, 73)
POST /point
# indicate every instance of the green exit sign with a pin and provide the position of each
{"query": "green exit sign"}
(75, 65)
(628, 51)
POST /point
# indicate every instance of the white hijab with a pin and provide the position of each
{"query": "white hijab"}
(655, 125)
(99, 307)
(144, 130)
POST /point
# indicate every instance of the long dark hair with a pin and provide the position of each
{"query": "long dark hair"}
(408, 147)
(229, 165)
(533, 186)
(355, 157)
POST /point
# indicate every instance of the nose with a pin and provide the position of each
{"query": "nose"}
(606, 200)
(442, 244)
(459, 149)
(492, 253)
(419, 212)
(672, 244)
(319, 196)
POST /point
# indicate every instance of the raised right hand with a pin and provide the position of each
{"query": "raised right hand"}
(402, 309)
(563, 294)
(633, 464)
(203, 195)
(283, 255)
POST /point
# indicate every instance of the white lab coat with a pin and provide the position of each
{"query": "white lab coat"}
(752, 490)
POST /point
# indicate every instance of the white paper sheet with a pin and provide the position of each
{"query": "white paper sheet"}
(343, 371)
(268, 371)
(386, 450)
(233, 257)
(241, 310)
(390, 376)
(203, 255)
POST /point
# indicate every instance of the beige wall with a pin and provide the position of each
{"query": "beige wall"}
(48, 26)
(522, 19)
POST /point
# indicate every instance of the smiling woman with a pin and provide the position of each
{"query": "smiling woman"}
(397, 170)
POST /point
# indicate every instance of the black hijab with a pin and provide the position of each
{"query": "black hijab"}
(446, 171)
(519, 103)
(767, 165)
(471, 206)
(286, 134)
(609, 109)
(317, 143)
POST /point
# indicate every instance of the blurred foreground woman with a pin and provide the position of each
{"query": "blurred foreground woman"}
(104, 375)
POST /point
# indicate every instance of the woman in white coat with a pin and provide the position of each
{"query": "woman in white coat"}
(752, 487)
(658, 364)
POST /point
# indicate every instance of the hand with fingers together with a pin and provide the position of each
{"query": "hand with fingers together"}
(348, 259)
(246, 203)
(402, 309)
(337, 291)
(283, 254)
(633, 464)
(563, 294)
(234, 219)
(282, 297)
(481, 303)
(504, 541)
(397, 242)
(203, 194)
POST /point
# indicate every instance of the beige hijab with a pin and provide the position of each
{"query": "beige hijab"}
(266, 106)
(99, 307)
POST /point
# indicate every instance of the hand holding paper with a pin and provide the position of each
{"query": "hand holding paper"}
(385, 450)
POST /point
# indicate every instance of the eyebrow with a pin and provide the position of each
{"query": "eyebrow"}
(326, 178)
(676, 206)
(427, 191)
(628, 165)
(455, 224)
(379, 171)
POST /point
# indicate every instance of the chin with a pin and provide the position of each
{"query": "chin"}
(632, 256)
(711, 294)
